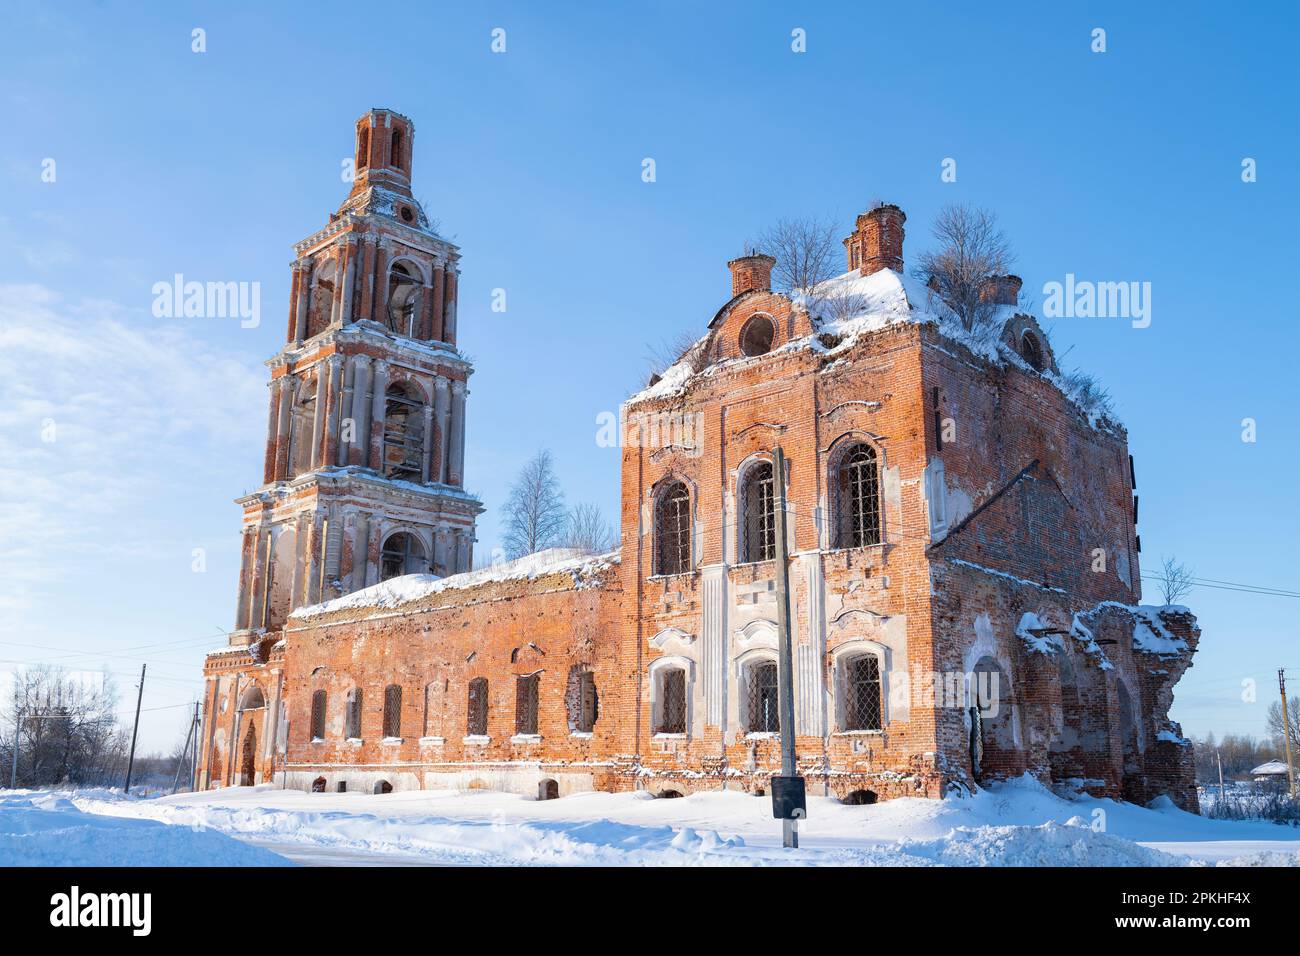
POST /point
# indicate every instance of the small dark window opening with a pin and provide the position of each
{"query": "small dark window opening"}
(758, 510)
(756, 337)
(318, 785)
(395, 153)
(354, 713)
(764, 711)
(363, 148)
(1031, 350)
(672, 716)
(318, 715)
(862, 709)
(383, 786)
(673, 530)
(858, 486)
(477, 721)
(393, 710)
(526, 693)
(342, 787)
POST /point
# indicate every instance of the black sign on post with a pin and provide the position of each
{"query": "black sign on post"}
(788, 799)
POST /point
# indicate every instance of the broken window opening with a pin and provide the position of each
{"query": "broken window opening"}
(526, 700)
(477, 719)
(403, 434)
(403, 299)
(402, 554)
(318, 701)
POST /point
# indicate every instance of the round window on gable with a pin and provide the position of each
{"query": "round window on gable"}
(756, 337)
(1031, 350)
(407, 215)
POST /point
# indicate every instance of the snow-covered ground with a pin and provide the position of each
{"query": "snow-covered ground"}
(1015, 824)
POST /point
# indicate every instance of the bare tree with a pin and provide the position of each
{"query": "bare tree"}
(588, 529)
(535, 512)
(805, 252)
(64, 726)
(1175, 580)
(1277, 728)
(971, 248)
(668, 352)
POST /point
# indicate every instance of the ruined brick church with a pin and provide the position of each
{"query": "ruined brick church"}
(964, 560)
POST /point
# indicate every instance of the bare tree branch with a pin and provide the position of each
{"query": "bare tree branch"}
(588, 529)
(1175, 581)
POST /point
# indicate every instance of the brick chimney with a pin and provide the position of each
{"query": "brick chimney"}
(751, 273)
(1001, 290)
(877, 240)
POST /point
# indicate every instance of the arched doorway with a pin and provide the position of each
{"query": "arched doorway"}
(1130, 755)
(248, 759)
(993, 748)
(548, 790)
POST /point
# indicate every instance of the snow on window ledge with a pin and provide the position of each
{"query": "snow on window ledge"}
(762, 735)
(664, 736)
(526, 739)
(476, 739)
(318, 740)
(580, 734)
(431, 741)
(858, 733)
(355, 741)
(392, 740)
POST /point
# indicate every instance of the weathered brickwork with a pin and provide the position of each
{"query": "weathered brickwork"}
(964, 573)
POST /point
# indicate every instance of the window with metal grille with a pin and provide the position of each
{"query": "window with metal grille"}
(673, 529)
(758, 514)
(672, 709)
(858, 485)
(477, 720)
(764, 712)
(354, 713)
(318, 715)
(586, 702)
(862, 708)
(393, 710)
(402, 554)
(526, 691)
(403, 433)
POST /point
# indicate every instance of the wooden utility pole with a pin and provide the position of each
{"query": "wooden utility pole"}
(1286, 733)
(1219, 759)
(194, 758)
(788, 800)
(130, 763)
(185, 753)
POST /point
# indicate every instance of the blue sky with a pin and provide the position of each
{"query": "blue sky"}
(1123, 165)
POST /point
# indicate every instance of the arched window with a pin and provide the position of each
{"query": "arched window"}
(301, 424)
(758, 514)
(671, 688)
(673, 529)
(763, 712)
(860, 685)
(354, 714)
(757, 335)
(582, 701)
(1031, 350)
(477, 720)
(393, 710)
(252, 698)
(527, 690)
(403, 299)
(363, 148)
(395, 152)
(402, 554)
(857, 486)
(403, 433)
(318, 715)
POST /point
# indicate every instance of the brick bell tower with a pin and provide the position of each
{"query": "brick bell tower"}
(365, 449)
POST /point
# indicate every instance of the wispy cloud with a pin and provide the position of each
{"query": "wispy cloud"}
(98, 410)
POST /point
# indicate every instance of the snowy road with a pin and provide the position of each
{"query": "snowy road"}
(1014, 824)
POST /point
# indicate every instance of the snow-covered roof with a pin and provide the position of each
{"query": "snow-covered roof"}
(845, 307)
(583, 566)
(1271, 768)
